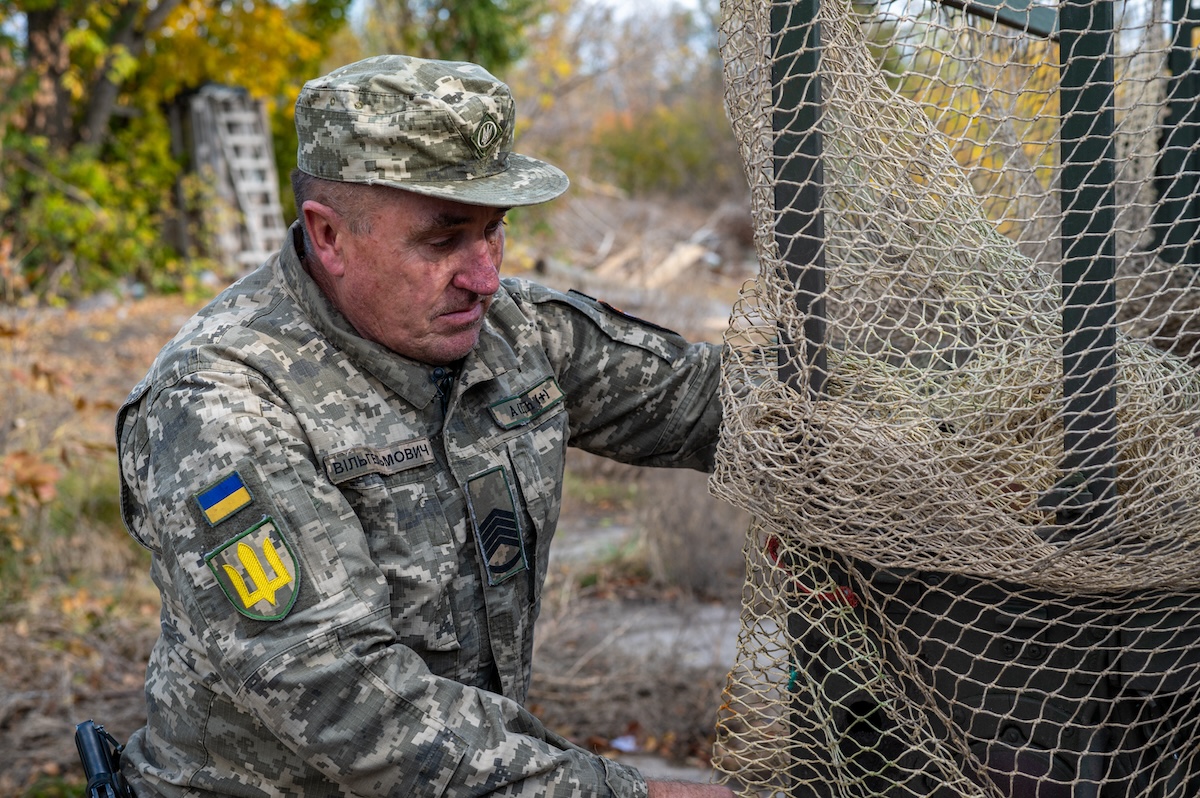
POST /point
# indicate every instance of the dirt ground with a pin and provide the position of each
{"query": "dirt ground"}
(75, 647)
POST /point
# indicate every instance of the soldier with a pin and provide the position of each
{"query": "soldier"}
(348, 469)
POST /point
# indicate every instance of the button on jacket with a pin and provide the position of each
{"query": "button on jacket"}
(351, 546)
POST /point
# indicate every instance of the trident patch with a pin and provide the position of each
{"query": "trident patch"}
(258, 572)
(497, 530)
(486, 135)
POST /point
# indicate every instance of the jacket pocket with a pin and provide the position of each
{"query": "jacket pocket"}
(537, 459)
(411, 541)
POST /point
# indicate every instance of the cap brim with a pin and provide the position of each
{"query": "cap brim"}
(526, 181)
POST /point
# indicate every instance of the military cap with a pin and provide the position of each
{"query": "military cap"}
(438, 128)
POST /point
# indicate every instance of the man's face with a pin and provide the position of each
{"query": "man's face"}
(420, 281)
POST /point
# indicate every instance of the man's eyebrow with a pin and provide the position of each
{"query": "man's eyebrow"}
(446, 221)
(442, 221)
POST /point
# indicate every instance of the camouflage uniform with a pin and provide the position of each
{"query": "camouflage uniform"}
(350, 566)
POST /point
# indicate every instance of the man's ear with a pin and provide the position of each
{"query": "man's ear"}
(325, 228)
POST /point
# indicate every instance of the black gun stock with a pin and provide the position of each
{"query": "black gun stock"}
(101, 757)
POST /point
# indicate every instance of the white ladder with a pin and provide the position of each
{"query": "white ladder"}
(232, 136)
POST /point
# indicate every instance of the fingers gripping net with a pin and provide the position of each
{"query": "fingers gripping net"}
(937, 602)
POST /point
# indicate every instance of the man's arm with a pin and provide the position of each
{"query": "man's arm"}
(638, 393)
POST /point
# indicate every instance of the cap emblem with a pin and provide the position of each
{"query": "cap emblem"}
(486, 135)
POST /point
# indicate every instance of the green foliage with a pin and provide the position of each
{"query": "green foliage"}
(598, 490)
(683, 149)
(283, 139)
(88, 497)
(488, 32)
(90, 178)
(258, 46)
(81, 221)
(319, 20)
(622, 562)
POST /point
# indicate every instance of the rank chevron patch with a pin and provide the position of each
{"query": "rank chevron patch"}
(497, 528)
(501, 539)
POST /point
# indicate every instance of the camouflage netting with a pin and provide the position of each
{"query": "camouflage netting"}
(931, 606)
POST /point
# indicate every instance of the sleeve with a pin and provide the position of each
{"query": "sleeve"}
(637, 392)
(286, 607)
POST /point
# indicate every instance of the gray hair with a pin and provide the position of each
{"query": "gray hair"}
(351, 201)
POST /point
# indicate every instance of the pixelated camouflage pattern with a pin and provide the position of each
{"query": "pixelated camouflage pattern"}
(398, 670)
(440, 128)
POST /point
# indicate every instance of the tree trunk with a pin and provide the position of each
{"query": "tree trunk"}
(50, 112)
(127, 35)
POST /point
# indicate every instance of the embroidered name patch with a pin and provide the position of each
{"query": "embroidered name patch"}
(258, 572)
(497, 530)
(350, 463)
(523, 408)
(224, 499)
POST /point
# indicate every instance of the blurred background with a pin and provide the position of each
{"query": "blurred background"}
(143, 166)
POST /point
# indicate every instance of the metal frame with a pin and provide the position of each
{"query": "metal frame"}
(799, 179)
(1087, 493)
(1085, 497)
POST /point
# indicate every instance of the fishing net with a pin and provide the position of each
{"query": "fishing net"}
(962, 403)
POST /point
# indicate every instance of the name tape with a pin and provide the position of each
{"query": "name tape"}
(360, 460)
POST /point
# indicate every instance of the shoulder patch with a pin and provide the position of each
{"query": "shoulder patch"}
(258, 571)
(222, 500)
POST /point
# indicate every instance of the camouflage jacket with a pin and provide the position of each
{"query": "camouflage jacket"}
(350, 567)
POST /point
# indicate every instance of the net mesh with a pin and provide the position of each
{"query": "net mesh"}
(947, 593)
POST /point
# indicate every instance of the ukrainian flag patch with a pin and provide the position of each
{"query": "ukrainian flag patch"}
(224, 499)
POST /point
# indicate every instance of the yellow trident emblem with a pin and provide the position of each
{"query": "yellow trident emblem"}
(248, 581)
(264, 588)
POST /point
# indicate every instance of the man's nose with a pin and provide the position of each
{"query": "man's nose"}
(480, 274)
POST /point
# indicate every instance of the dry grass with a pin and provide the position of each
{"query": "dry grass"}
(72, 655)
(594, 688)
(635, 643)
(694, 541)
(80, 614)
